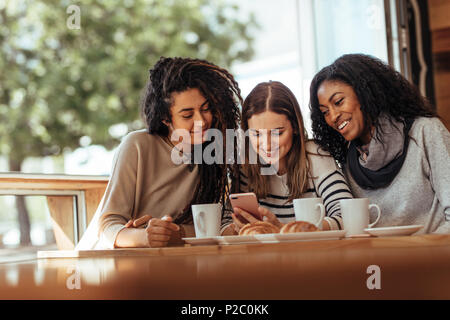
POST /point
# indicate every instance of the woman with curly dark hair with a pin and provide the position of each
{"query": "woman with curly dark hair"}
(148, 185)
(393, 147)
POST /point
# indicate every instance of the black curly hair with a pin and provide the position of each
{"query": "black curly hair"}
(380, 90)
(217, 85)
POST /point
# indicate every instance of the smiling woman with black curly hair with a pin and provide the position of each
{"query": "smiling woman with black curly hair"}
(393, 147)
(148, 199)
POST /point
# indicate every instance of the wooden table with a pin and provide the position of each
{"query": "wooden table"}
(415, 267)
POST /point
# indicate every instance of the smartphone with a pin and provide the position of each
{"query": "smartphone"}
(247, 202)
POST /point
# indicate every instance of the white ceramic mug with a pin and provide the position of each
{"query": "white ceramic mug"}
(207, 219)
(355, 215)
(310, 210)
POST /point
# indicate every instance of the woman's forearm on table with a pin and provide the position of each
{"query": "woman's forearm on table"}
(137, 237)
(131, 238)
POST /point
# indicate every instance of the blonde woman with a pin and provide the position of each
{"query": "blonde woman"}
(302, 170)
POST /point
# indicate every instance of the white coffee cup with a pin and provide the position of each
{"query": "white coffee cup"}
(310, 210)
(207, 219)
(355, 215)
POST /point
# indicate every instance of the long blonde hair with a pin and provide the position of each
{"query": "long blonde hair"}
(276, 97)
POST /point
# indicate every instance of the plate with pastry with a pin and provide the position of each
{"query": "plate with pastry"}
(265, 232)
(394, 231)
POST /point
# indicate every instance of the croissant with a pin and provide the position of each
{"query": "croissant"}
(298, 226)
(259, 227)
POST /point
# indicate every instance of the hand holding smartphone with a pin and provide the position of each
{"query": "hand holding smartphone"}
(247, 202)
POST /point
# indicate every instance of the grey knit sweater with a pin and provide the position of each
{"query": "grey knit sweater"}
(420, 193)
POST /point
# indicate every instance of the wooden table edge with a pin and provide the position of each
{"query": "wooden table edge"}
(426, 240)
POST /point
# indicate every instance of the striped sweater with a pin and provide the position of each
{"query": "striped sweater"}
(325, 181)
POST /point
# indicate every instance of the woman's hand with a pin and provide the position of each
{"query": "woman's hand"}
(138, 222)
(267, 215)
(159, 231)
(244, 218)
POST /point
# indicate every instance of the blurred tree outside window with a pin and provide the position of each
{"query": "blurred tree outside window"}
(41, 234)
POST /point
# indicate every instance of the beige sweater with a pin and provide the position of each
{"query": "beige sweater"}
(144, 180)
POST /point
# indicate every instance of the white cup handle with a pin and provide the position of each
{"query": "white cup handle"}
(322, 213)
(200, 222)
(379, 214)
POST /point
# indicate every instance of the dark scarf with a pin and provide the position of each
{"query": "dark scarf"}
(369, 179)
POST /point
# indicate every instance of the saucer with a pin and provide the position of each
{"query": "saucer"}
(201, 241)
(364, 235)
(280, 237)
(268, 238)
(393, 231)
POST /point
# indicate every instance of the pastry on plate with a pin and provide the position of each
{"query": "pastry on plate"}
(259, 227)
(298, 226)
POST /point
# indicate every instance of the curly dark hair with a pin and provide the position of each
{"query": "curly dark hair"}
(380, 90)
(217, 85)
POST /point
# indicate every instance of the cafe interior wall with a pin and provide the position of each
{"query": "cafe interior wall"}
(425, 49)
(439, 13)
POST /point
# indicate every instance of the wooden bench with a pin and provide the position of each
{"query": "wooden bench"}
(72, 200)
